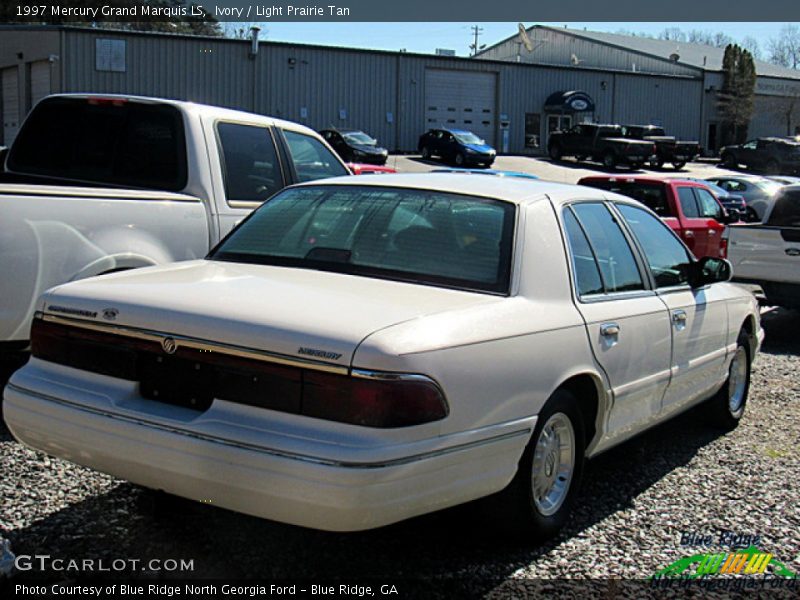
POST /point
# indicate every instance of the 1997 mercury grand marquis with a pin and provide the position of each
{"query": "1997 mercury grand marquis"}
(357, 353)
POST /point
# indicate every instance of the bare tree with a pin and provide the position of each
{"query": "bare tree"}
(674, 34)
(750, 44)
(785, 49)
(721, 40)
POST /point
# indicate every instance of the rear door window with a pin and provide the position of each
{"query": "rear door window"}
(616, 259)
(311, 159)
(651, 194)
(109, 141)
(249, 162)
(787, 210)
(688, 202)
(584, 265)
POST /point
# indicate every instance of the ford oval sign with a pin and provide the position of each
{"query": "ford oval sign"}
(578, 104)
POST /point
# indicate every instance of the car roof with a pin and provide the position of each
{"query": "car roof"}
(641, 178)
(740, 177)
(517, 190)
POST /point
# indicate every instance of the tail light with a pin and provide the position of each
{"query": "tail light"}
(723, 243)
(194, 377)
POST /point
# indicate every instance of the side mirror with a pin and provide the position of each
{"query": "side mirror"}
(709, 269)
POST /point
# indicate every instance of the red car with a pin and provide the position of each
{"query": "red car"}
(364, 169)
(690, 208)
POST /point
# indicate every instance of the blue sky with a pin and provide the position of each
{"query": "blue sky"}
(426, 37)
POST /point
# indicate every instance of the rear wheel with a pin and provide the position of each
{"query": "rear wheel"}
(773, 168)
(609, 160)
(657, 163)
(728, 160)
(554, 151)
(425, 152)
(459, 160)
(679, 165)
(539, 499)
(636, 166)
(726, 407)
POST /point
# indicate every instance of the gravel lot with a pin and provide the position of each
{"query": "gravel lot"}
(636, 501)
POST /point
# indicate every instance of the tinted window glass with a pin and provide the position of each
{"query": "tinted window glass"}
(413, 235)
(587, 276)
(651, 194)
(312, 160)
(112, 142)
(708, 204)
(688, 202)
(616, 259)
(787, 210)
(668, 259)
(249, 162)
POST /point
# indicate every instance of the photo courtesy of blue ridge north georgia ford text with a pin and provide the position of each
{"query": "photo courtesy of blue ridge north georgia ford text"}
(305, 300)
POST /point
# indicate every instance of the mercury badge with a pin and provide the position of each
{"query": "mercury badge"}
(169, 345)
(110, 314)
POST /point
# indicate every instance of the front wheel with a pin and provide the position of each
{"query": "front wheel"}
(773, 168)
(554, 151)
(426, 153)
(679, 165)
(459, 160)
(728, 160)
(725, 408)
(609, 160)
(539, 499)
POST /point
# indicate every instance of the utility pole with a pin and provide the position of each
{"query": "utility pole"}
(476, 31)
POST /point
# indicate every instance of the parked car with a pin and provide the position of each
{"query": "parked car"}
(3, 152)
(494, 172)
(768, 255)
(101, 184)
(456, 146)
(363, 350)
(688, 207)
(602, 143)
(734, 203)
(784, 179)
(366, 169)
(771, 154)
(758, 192)
(353, 145)
(668, 148)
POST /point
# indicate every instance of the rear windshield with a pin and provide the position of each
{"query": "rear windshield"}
(425, 237)
(112, 142)
(651, 194)
(786, 212)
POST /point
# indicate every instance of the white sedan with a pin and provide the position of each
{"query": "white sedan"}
(360, 352)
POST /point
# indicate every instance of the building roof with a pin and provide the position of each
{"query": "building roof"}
(699, 56)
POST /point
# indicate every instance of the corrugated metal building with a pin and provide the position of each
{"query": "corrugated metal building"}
(394, 96)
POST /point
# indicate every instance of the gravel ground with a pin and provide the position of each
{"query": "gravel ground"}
(636, 502)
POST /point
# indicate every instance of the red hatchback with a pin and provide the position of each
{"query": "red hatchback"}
(688, 207)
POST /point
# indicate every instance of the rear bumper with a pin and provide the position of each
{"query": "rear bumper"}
(331, 492)
(777, 293)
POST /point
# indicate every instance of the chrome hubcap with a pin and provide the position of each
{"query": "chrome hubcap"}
(737, 380)
(553, 464)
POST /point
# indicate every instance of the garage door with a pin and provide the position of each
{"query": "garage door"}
(10, 105)
(39, 81)
(461, 100)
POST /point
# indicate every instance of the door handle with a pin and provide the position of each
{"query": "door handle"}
(609, 329)
(793, 251)
(712, 232)
(688, 233)
(679, 316)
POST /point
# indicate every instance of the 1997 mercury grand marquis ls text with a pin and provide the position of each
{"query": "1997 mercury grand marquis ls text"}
(354, 354)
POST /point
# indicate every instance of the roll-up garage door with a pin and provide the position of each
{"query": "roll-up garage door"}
(39, 81)
(11, 116)
(461, 100)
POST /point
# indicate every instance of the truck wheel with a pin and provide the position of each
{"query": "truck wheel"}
(580, 157)
(635, 166)
(657, 163)
(539, 499)
(728, 160)
(426, 153)
(679, 165)
(725, 408)
(609, 160)
(554, 151)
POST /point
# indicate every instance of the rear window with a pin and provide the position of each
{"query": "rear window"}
(419, 236)
(651, 194)
(786, 212)
(102, 141)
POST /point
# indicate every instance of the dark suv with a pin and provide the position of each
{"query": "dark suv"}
(355, 146)
(771, 154)
(456, 146)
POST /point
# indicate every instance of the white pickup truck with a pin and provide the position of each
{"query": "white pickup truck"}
(94, 185)
(768, 254)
